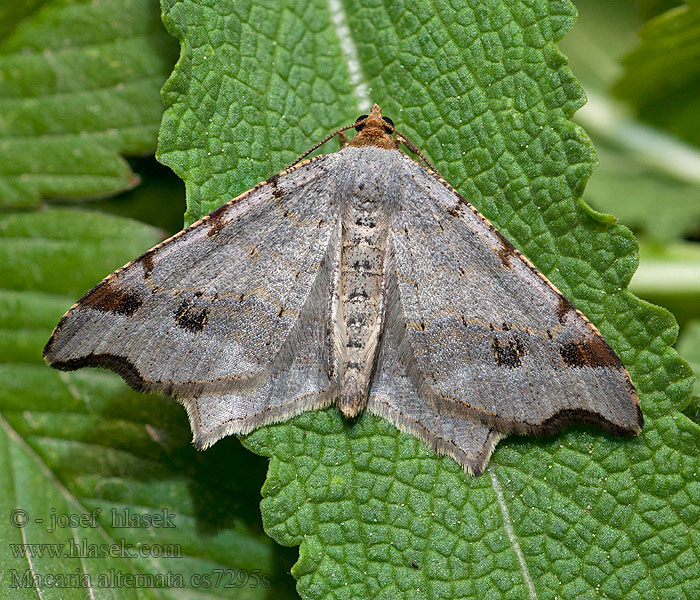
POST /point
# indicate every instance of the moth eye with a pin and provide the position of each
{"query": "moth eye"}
(388, 120)
(360, 126)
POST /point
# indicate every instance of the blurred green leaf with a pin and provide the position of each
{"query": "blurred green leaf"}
(688, 347)
(652, 8)
(656, 206)
(158, 200)
(484, 92)
(604, 31)
(73, 443)
(662, 74)
(669, 275)
(79, 84)
(648, 179)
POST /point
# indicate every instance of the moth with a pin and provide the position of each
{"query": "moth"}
(359, 278)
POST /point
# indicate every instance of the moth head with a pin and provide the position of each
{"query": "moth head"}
(374, 130)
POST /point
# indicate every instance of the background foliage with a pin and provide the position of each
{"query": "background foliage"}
(487, 96)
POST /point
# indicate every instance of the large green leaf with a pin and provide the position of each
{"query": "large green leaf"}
(483, 90)
(662, 75)
(285, 70)
(73, 443)
(79, 85)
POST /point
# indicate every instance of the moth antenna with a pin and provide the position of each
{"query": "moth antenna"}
(323, 141)
(413, 148)
(402, 139)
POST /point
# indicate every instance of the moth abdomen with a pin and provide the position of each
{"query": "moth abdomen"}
(360, 308)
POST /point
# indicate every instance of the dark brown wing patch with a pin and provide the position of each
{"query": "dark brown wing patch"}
(108, 297)
(593, 352)
(508, 351)
(191, 317)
